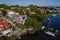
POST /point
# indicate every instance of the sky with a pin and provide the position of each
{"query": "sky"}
(34, 2)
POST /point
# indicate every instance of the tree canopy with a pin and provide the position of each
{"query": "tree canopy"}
(31, 22)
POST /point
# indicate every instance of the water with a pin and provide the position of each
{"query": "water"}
(41, 35)
(54, 22)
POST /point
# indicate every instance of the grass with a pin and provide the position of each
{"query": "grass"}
(8, 18)
(13, 37)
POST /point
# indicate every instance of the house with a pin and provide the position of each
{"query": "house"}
(7, 31)
(5, 27)
(32, 12)
(43, 11)
(12, 14)
(15, 8)
(58, 10)
(51, 11)
(9, 12)
(28, 8)
(16, 17)
(21, 19)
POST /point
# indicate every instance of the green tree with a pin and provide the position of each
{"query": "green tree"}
(40, 17)
(20, 11)
(31, 22)
(34, 9)
(4, 6)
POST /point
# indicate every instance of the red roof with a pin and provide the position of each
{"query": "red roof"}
(20, 17)
(4, 24)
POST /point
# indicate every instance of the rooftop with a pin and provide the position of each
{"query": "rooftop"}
(4, 24)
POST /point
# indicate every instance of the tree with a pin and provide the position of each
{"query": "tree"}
(17, 6)
(34, 9)
(20, 11)
(31, 22)
(4, 12)
(40, 17)
(4, 6)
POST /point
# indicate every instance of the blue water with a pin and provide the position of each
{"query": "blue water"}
(58, 10)
(53, 22)
(40, 35)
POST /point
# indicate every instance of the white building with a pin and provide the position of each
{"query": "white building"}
(12, 14)
(5, 32)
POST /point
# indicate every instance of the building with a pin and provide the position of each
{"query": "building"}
(16, 17)
(12, 14)
(9, 12)
(32, 12)
(58, 10)
(51, 11)
(27, 8)
(21, 19)
(43, 11)
(12, 8)
(5, 27)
